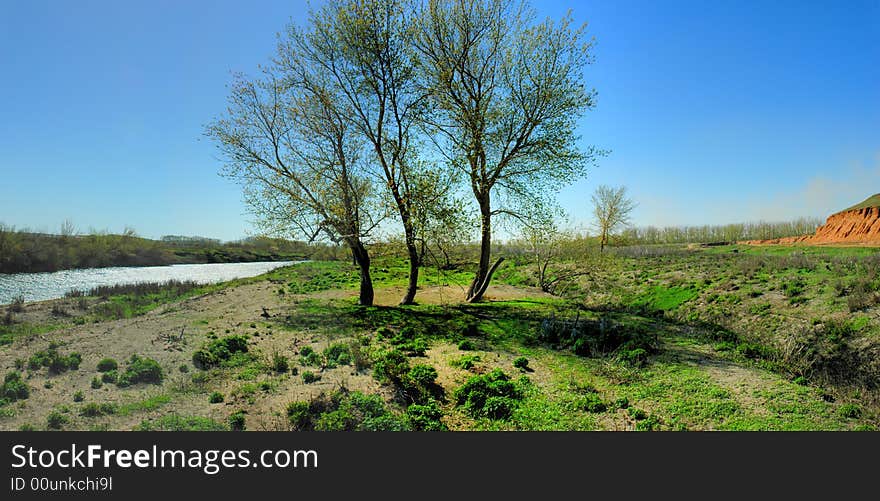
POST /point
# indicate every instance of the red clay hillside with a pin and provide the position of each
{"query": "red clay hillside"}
(859, 224)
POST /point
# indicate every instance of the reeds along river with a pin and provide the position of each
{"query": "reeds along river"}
(43, 286)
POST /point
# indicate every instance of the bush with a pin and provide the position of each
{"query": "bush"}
(849, 411)
(13, 388)
(466, 345)
(140, 370)
(78, 396)
(490, 395)
(308, 356)
(299, 415)
(337, 354)
(109, 376)
(279, 363)
(637, 414)
(107, 364)
(236, 421)
(96, 383)
(94, 409)
(54, 360)
(310, 377)
(355, 411)
(183, 368)
(215, 398)
(219, 350)
(419, 384)
(422, 375)
(465, 362)
(425, 417)
(390, 366)
(521, 363)
(592, 403)
(55, 420)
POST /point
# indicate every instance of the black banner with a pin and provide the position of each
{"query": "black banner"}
(465, 465)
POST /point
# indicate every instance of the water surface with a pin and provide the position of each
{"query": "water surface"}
(42, 286)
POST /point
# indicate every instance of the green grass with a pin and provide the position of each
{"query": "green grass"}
(661, 298)
(176, 422)
(872, 201)
(145, 405)
(9, 333)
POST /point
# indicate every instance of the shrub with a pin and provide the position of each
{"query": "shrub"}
(78, 396)
(425, 417)
(490, 395)
(279, 363)
(55, 420)
(236, 421)
(422, 375)
(93, 409)
(419, 384)
(308, 356)
(390, 366)
(384, 333)
(592, 403)
(416, 348)
(466, 345)
(299, 415)
(107, 364)
(140, 370)
(109, 376)
(310, 377)
(219, 350)
(337, 354)
(621, 403)
(54, 360)
(96, 383)
(359, 354)
(637, 414)
(521, 363)
(465, 362)
(13, 388)
(183, 368)
(215, 398)
(849, 411)
(27, 427)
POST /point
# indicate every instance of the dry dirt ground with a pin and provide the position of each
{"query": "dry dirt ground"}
(170, 334)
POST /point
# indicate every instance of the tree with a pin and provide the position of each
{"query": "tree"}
(288, 140)
(362, 48)
(612, 209)
(505, 94)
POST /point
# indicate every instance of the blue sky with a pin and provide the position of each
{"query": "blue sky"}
(714, 112)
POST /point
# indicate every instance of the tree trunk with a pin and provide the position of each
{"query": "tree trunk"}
(481, 280)
(362, 257)
(414, 260)
(482, 290)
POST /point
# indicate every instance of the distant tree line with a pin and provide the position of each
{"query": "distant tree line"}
(720, 233)
(28, 252)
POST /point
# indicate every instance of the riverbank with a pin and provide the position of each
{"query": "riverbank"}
(25, 252)
(291, 350)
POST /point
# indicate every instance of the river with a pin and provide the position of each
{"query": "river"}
(43, 286)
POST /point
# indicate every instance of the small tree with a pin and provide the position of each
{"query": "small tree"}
(289, 142)
(612, 209)
(504, 94)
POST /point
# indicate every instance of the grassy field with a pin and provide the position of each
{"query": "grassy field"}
(645, 338)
